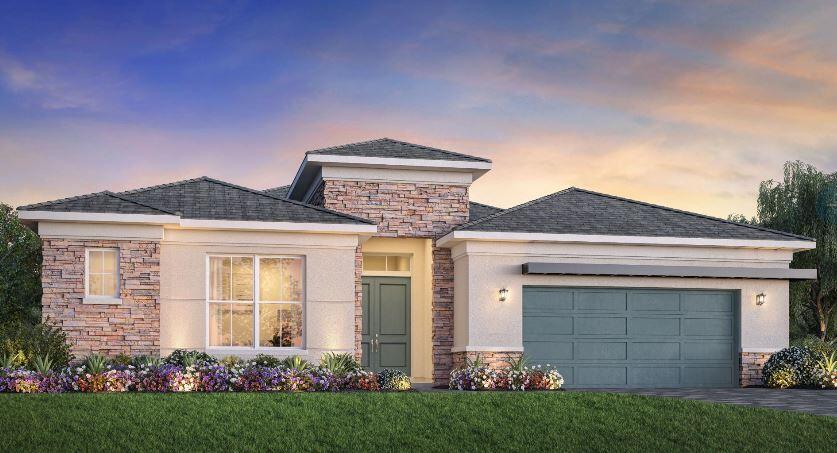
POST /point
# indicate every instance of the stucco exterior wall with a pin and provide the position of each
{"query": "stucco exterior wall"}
(497, 326)
(329, 309)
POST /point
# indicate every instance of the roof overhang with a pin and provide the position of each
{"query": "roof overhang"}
(638, 270)
(457, 236)
(173, 221)
(311, 166)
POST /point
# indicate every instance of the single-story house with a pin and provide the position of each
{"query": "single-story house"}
(376, 249)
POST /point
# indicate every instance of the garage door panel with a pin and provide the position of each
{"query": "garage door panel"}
(549, 351)
(600, 325)
(654, 376)
(624, 337)
(708, 327)
(601, 376)
(707, 350)
(601, 350)
(547, 302)
(654, 351)
(548, 325)
(702, 302)
(654, 326)
(601, 301)
(719, 376)
(655, 302)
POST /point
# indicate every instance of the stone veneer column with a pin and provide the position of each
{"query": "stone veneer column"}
(751, 367)
(410, 210)
(130, 328)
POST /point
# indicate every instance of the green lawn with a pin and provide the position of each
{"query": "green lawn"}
(375, 422)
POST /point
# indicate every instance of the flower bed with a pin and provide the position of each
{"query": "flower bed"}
(191, 375)
(518, 376)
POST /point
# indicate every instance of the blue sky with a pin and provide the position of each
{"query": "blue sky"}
(687, 105)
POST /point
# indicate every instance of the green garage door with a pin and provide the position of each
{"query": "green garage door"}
(622, 337)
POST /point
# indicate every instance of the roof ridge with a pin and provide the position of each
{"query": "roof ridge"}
(62, 200)
(286, 200)
(276, 188)
(400, 142)
(694, 214)
(160, 186)
(513, 208)
(121, 197)
(444, 151)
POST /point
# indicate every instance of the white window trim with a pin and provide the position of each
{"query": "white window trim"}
(101, 300)
(256, 301)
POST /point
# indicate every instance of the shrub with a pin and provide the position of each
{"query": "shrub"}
(121, 361)
(26, 342)
(266, 360)
(146, 361)
(339, 364)
(827, 371)
(790, 367)
(816, 345)
(42, 364)
(95, 364)
(364, 380)
(393, 380)
(186, 358)
(295, 363)
(230, 361)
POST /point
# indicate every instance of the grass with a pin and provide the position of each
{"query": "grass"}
(421, 421)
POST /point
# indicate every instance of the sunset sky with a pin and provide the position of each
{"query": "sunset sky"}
(689, 106)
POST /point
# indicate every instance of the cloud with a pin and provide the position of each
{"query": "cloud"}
(51, 91)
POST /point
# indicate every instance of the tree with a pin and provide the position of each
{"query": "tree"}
(805, 203)
(20, 270)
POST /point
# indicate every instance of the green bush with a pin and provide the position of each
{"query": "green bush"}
(295, 363)
(339, 364)
(184, 357)
(790, 367)
(148, 361)
(266, 360)
(121, 360)
(26, 342)
(816, 345)
(393, 380)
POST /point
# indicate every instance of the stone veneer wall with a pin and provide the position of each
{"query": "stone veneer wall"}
(412, 210)
(751, 365)
(358, 301)
(130, 328)
(491, 359)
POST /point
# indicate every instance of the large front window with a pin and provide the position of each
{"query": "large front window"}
(240, 316)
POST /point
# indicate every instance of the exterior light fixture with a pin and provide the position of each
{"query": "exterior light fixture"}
(760, 299)
(504, 294)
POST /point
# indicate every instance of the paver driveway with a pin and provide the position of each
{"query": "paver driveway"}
(819, 402)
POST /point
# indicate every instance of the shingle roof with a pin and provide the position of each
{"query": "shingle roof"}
(387, 147)
(201, 198)
(478, 210)
(579, 211)
(100, 202)
(281, 191)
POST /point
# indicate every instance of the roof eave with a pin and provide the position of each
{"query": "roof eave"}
(457, 236)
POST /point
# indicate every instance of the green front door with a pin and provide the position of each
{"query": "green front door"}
(633, 337)
(385, 340)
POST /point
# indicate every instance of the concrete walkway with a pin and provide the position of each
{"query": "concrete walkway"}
(819, 402)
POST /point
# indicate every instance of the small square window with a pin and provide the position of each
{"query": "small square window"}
(102, 273)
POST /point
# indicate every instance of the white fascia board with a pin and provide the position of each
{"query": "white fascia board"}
(393, 162)
(459, 236)
(278, 226)
(97, 217)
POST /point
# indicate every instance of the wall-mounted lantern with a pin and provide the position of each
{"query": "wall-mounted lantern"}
(760, 299)
(504, 294)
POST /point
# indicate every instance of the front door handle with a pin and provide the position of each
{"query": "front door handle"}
(376, 343)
